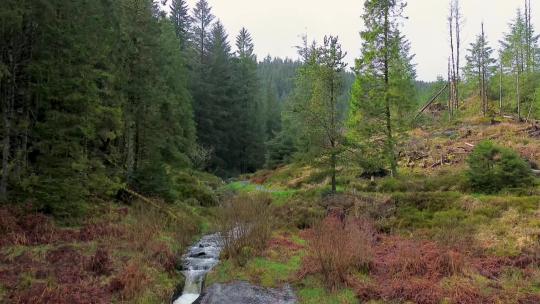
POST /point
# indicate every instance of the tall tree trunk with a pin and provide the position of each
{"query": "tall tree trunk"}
(452, 58)
(483, 72)
(6, 113)
(334, 164)
(388, 114)
(450, 87)
(531, 49)
(517, 96)
(9, 90)
(332, 140)
(500, 87)
(458, 49)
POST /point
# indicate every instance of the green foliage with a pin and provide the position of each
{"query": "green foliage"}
(280, 150)
(384, 92)
(312, 291)
(315, 112)
(519, 54)
(493, 168)
(189, 187)
(104, 103)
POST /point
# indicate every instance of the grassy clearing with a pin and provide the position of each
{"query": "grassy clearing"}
(481, 247)
(311, 291)
(276, 266)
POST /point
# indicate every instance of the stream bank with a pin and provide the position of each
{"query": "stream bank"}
(200, 259)
(197, 262)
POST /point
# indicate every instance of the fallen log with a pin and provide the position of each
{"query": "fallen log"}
(430, 101)
(151, 202)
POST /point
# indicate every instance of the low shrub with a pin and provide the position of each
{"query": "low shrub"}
(100, 263)
(419, 291)
(130, 282)
(190, 187)
(338, 247)
(162, 255)
(246, 223)
(399, 258)
(300, 214)
(463, 291)
(493, 168)
(431, 201)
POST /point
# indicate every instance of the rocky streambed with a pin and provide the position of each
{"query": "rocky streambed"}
(200, 259)
(197, 262)
(245, 293)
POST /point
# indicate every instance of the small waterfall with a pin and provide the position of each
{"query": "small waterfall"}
(198, 261)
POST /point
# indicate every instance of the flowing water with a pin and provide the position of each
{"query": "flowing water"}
(198, 261)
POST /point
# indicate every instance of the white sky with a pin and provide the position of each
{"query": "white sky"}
(277, 25)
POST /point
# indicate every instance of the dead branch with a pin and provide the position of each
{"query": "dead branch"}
(430, 102)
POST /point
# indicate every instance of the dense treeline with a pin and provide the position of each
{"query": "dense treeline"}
(94, 96)
(510, 77)
(98, 96)
(101, 95)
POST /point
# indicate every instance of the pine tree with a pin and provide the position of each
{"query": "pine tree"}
(384, 90)
(216, 121)
(75, 124)
(182, 21)
(202, 21)
(101, 102)
(515, 49)
(248, 136)
(316, 106)
(480, 67)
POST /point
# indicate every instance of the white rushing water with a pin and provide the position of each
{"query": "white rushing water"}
(198, 261)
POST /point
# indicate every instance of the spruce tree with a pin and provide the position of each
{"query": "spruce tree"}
(520, 83)
(315, 109)
(181, 20)
(216, 121)
(248, 136)
(383, 93)
(202, 21)
(480, 67)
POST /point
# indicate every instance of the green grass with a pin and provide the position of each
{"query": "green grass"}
(241, 186)
(225, 272)
(312, 292)
(272, 270)
(280, 198)
(2, 293)
(262, 271)
(275, 273)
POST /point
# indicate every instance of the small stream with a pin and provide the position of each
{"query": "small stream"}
(197, 262)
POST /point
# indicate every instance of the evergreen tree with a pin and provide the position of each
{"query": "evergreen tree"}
(101, 102)
(202, 21)
(316, 107)
(181, 20)
(516, 45)
(247, 139)
(159, 129)
(480, 67)
(277, 77)
(216, 121)
(76, 121)
(384, 90)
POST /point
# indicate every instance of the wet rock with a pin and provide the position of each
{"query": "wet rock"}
(245, 293)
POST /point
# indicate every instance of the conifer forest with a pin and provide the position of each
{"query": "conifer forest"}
(150, 154)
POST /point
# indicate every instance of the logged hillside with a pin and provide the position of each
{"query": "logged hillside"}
(425, 237)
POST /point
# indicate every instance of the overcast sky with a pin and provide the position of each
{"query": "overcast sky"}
(277, 25)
